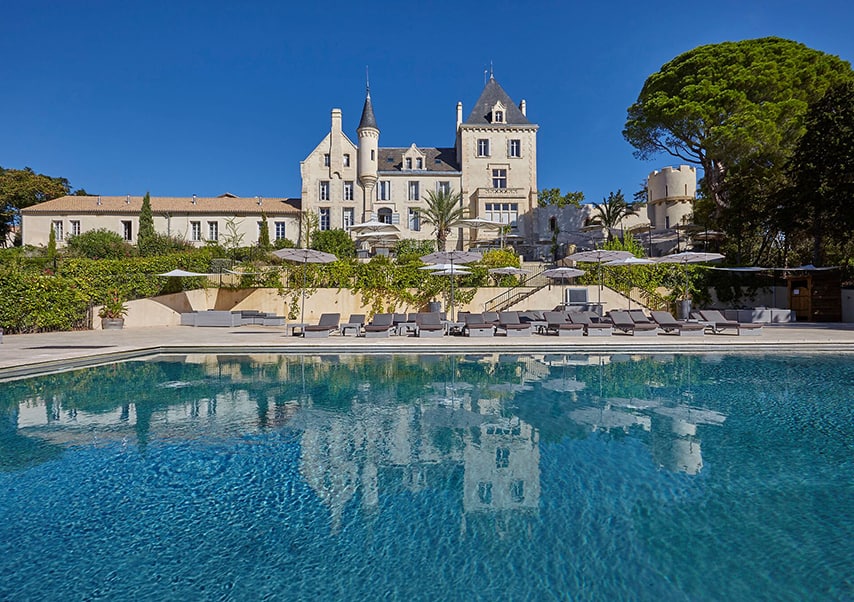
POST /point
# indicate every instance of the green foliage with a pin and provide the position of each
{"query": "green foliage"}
(500, 258)
(284, 243)
(233, 237)
(443, 212)
(337, 242)
(553, 197)
(145, 239)
(818, 204)
(99, 244)
(309, 225)
(32, 302)
(730, 105)
(611, 211)
(21, 188)
(51, 245)
(113, 306)
(410, 250)
(164, 244)
(264, 235)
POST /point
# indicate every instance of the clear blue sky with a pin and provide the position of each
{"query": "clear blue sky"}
(211, 96)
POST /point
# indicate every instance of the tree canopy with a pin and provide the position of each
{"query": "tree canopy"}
(611, 211)
(553, 197)
(731, 105)
(21, 188)
(818, 203)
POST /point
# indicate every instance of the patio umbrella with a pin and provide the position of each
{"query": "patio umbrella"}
(451, 257)
(507, 271)
(598, 256)
(684, 258)
(304, 256)
(182, 274)
(628, 262)
(562, 274)
(438, 267)
(372, 227)
(478, 223)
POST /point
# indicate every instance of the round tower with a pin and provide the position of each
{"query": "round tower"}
(369, 138)
(671, 192)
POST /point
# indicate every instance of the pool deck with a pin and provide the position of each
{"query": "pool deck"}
(29, 354)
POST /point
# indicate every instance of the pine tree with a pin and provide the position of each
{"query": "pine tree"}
(147, 235)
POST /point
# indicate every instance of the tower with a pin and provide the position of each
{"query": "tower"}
(670, 194)
(369, 137)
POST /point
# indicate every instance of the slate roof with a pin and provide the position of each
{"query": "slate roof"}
(225, 204)
(491, 94)
(435, 159)
(368, 120)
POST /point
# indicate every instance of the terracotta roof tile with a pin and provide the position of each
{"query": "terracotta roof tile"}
(228, 205)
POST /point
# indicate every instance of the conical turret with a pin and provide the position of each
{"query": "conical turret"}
(369, 138)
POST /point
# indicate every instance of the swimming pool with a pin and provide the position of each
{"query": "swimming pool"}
(431, 477)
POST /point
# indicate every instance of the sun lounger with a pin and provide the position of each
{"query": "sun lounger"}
(558, 323)
(623, 323)
(721, 325)
(429, 325)
(215, 317)
(328, 323)
(475, 326)
(670, 325)
(353, 325)
(591, 328)
(380, 327)
(511, 326)
(535, 319)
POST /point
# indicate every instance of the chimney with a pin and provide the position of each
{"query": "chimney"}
(459, 114)
(99, 200)
(336, 120)
(194, 199)
(259, 201)
(127, 200)
(523, 106)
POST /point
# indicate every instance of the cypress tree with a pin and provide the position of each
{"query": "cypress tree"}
(147, 235)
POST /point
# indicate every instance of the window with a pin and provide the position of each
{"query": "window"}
(514, 148)
(667, 222)
(280, 230)
(325, 159)
(324, 218)
(195, 231)
(384, 191)
(127, 230)
(348, 217)
(443, 187)
(552, 224)
(213, 231)
(346, 160)
(372, 154)
(414, 191)
(324, 190)
(419, 163)
(484, 492)
(384, 215)
(408, 163)
(517, 491)
(502, 457)
(498, 116)
(75, 227)
(348, 191)
(499, 178)
(57, 230)
(482, 147)
(506, 213)
(414, 219)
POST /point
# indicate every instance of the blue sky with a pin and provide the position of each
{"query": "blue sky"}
(181, 98)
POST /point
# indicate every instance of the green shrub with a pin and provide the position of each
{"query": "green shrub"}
(99, 244)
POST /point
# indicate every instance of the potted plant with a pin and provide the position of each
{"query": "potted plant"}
(113, 312)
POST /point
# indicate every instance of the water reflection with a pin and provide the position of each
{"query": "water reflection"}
(370, 425)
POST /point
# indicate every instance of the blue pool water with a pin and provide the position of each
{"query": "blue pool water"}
(476, 477)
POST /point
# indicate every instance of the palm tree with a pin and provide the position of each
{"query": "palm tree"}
(443, 212)
(611, 211)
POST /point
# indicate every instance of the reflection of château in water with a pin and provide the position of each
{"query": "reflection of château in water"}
(675, 444)
(418, 446)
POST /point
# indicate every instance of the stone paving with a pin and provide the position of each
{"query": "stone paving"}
(24, 355)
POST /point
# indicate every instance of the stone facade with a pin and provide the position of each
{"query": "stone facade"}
(670, 196)
(492, 163)
(198, 220)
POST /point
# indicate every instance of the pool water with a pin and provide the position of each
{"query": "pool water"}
(428, 477)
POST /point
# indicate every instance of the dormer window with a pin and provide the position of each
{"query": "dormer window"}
(408, 163)
(498, 113)
(419, 163)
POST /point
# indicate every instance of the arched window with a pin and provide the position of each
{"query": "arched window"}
(384, 215)
(552, 224)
